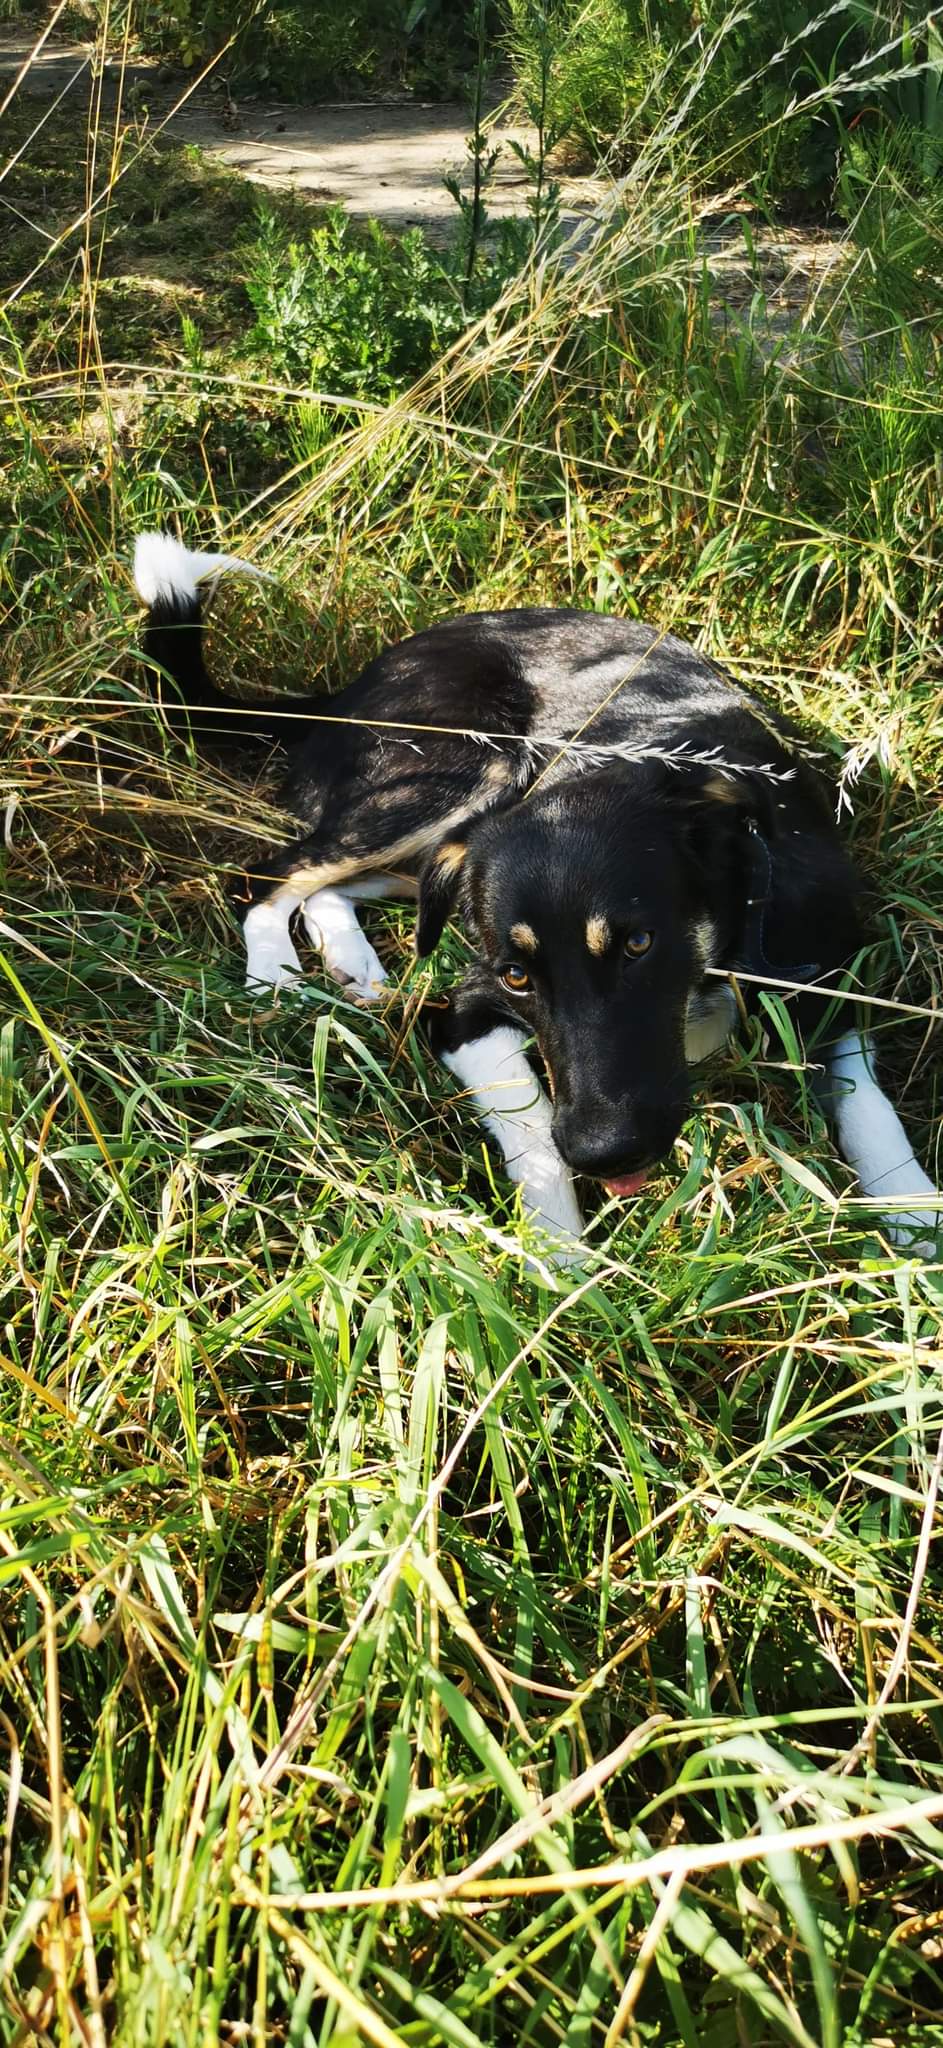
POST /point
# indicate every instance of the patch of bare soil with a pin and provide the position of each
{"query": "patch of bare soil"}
(387, 160)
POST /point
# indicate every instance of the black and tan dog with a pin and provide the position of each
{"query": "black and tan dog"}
(618, 826)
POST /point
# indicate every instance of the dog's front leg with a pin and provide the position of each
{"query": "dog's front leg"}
(874, 1142)
(508, 1097)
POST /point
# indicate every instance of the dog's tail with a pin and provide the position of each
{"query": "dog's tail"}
(168, 579)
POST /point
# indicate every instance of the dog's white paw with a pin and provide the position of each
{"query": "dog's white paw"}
(273, 980)
(331, 924)
(549, 1197)
(550, 1204)
(874, 1142)
(367, 984)
(557, 1248)
(271, 960)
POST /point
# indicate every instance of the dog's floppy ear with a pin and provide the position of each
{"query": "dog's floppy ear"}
(438, 887)
(713, 793)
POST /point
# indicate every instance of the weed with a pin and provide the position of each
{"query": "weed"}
(367, 313)
(362, 314)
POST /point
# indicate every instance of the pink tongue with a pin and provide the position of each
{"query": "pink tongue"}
(627, 1184)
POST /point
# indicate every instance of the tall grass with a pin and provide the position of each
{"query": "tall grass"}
(401, 1644)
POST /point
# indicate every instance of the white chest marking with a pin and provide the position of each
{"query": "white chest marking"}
(711, 1019)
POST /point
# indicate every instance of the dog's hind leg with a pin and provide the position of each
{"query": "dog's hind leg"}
(330, 870)
(333, 927)
(508, 1097)
(874, 1142)
(271, 959)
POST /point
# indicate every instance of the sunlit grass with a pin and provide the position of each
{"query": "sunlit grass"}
(400, 1643)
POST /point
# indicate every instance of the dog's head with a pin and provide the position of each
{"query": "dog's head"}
(597, 906)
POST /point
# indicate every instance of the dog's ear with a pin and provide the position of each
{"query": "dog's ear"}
(439, 885)
(713, 795)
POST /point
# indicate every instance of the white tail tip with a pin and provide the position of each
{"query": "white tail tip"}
(166, 572)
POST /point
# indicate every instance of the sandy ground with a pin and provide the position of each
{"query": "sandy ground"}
(385, 159)
(388, 160)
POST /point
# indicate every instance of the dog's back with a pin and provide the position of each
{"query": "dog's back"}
(556, 691)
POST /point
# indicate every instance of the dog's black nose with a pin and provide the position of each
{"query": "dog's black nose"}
(605, 1150)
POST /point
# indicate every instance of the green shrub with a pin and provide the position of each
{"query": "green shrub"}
(362, 313)
(310, 48)
(729, 83)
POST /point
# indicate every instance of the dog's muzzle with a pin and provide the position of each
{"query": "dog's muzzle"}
(618, 1144)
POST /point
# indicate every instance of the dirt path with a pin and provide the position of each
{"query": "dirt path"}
(385, 159)
(388, 160)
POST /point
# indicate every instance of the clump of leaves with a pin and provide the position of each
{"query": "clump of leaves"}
(360, 311)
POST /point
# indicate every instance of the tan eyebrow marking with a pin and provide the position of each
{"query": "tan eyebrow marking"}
(525, 936)
(598, 935)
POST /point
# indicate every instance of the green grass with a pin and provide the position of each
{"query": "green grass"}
(399, 1643)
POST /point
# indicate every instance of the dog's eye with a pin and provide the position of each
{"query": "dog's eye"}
(516, 979)
(638, 943)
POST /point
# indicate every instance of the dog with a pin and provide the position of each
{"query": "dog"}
(632, 841)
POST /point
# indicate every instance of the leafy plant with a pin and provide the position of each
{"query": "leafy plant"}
(309, 48)
(365, 311)
(357, 313)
